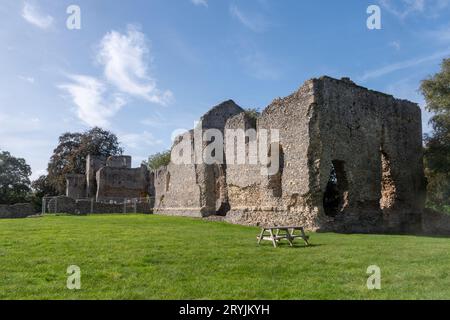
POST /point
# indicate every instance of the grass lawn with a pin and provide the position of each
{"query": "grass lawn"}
(157, 257)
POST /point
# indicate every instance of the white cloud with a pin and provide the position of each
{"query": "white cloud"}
(36, 174)
(19, 123)
(200, 2)
(34, 16)
(395, 44)
(403, 65)
(125, 58)
(88, 95)
(139, 140)
(404, 8)
(27, 79)
(254, 22)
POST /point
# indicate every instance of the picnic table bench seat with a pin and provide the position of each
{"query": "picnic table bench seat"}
(276, 234)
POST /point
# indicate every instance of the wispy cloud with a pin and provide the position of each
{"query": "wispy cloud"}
(200, 2)
(27, 79)
(441, 35)
(403, 65)
(138, 140)
(404, 8)
(126, 59)
(395, 44)
(255, 22)
(19, 123)
(88, 95)
(34, 16)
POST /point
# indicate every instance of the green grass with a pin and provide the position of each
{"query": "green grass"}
(156, 257)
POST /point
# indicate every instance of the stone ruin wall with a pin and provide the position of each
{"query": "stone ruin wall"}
(17, 211)
(119, 162)
(243, 180)
(212, 177)
(176, 188)
(195, 189)
(375, 144)
(93, 164)
(108, 179)
(118, 183)
(67, 205)
(372, 140)
(284, 197)
(76, 185)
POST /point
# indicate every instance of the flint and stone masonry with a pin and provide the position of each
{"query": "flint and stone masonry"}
(350, 160)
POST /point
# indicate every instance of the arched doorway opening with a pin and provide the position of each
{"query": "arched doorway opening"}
(335, 198)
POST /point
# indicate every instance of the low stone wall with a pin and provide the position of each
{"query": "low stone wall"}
(61, 204)
(86, 206)
(271, 216)
(16, 211)
(180, 212)
(435, 223)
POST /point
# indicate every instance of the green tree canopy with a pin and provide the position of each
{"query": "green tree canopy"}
(14, 179)
(253, 113)
(158, 160)
(436, 91)
(42, 187)
(72, 150)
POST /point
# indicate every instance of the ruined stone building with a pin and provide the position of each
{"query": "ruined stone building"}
(108, 179)
(349, 159)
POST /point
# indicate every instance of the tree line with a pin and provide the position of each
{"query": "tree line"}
(70, 154)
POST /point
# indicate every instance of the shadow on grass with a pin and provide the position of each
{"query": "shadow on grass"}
(295, 246)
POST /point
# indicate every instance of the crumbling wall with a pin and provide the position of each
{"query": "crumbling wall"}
(93, 207)
(195, 188)
(435, 223)
(93, 164)
(60, 204)
(350, 160)
(17, 211)
(285, 196)
(212, 177)
(119, 162)
(176, 187)
(177, 191)
(76, 186)
(114, 183)
(66, 205)
(372, 142)
(243, 177)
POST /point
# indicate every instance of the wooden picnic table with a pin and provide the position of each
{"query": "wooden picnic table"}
(275, 234)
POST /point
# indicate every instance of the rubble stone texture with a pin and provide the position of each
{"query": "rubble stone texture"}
(350, 160)
(109, 179)
(367, 142)
(16, 211)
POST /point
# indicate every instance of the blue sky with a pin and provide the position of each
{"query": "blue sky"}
(146, 68)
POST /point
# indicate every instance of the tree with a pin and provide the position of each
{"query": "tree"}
(14, 179)
(436, 91)
(43, 188)
(253, 113)
(71, 153)
(158, 160)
